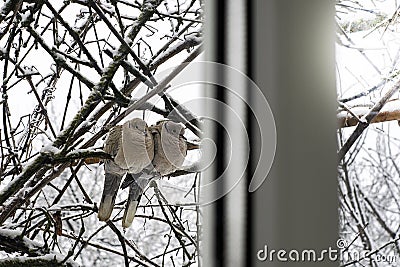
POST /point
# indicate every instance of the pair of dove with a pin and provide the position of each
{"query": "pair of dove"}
(142, 153)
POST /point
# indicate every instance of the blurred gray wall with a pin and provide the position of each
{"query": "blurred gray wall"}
(287, 48)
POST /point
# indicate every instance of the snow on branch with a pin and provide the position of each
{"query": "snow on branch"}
(13, 241)
(389, 112)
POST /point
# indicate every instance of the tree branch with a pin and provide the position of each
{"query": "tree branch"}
(366, 120)
(389, 112)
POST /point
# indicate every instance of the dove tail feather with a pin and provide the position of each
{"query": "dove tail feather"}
(111, 185)
(106, 207)
(129, 213)
(136, 189)
(129, 179)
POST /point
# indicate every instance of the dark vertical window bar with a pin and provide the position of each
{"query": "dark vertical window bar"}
(230, 218)
(220, 57)
(249, 253)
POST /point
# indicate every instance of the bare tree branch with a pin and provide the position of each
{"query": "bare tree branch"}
(366, 120)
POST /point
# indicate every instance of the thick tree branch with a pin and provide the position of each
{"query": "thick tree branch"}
(13, 241)
(366, 120)
(39, 261)
(389, 112)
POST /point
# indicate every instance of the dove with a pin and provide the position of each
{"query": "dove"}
(169, 153)
(169, 146)
(132, 148)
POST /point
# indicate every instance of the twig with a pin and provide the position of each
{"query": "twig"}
(121, 240)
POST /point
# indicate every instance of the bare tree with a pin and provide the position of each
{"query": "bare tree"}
(368, 154)
(71, 70)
